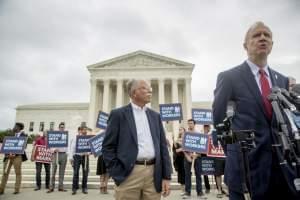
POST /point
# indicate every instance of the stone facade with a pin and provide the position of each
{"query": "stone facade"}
(170, 80)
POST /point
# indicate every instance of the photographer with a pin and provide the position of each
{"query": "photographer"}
(248, 86)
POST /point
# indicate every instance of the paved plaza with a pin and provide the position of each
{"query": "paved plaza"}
(29, 194)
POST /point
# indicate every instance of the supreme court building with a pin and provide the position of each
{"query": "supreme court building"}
(170, 80)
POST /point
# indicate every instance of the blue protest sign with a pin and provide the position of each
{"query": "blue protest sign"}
(195, 142)
(57, 139)
(170, 112)
(13, 145)
(82, 143)
(202, 116)
(102, 120)
(96, 144)
(208, 166)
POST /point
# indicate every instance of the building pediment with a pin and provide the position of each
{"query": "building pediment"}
(140, 59)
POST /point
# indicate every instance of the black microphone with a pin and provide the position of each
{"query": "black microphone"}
(278, 92)
(296, 89)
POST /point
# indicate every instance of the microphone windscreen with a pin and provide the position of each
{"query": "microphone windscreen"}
(296, 88)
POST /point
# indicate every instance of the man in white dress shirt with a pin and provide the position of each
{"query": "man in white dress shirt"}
(135, 148)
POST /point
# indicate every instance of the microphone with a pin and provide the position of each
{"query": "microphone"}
(296, 90)
(278, 92)
(230, 109)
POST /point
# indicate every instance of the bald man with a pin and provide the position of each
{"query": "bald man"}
(248, 86)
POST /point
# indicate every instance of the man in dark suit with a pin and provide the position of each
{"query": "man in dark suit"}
(14, 160)
(248, 86)
(135, 148)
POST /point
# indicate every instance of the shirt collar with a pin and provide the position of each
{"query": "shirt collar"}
(18, 133)
(136, 107)
(255, 69)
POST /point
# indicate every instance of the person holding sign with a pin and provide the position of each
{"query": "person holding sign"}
(14, 160)
(59, 158)
(102, 172)
(38, 165)
(191, 157)
(77, 159)
(206, 130)
(135, 148)
(179, 159)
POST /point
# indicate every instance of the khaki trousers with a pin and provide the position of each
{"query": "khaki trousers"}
(139, 185)
(17, 163)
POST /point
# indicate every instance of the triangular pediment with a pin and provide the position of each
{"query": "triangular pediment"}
(140, 59)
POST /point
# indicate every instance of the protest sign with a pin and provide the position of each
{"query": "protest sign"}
(195, 142)
(57, 139)
(82, 143)
(170, 112)
(13, 145)
(214, 151)
(42, 154)
(208, 166)
(202, 116)
(96, 144)
(102, 120)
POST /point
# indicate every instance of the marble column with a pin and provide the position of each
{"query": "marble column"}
(188, 98)
(161, 91)
(149, 82)
(105, 101)
(92, 105)
(175, 100)
(119, 95)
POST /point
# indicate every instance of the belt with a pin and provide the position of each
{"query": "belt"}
(145, 162)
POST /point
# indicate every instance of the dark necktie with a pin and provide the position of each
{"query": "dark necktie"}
(265, 91)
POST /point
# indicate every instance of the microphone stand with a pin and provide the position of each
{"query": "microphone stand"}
(284, 142)
(245, 138)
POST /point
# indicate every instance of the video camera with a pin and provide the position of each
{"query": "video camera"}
(226, 135)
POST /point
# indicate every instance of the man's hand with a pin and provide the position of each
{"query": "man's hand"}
(11, 156)
(165, 188)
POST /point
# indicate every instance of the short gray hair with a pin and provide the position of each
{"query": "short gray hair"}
(131, 86)
(256, 24)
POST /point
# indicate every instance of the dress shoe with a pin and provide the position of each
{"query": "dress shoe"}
(73, 192)
(62, 190)
(50, 190)
(1, 192)
(84, 191)
(16, 192)
(37, 188)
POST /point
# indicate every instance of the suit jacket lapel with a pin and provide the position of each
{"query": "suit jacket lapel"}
(252, 85)
(130, 118)
(273, 77)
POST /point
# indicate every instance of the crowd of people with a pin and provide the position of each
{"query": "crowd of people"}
(60, 158)
(183, 162)
(135, 149)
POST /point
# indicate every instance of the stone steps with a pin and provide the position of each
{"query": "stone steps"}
(28, 175)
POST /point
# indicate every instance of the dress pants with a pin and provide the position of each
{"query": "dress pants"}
(188, 175)
(17, 163)
(139, 185)
(38, 167)
(77, 161)
(61, 160)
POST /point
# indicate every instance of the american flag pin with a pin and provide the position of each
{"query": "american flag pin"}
(276, 76)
